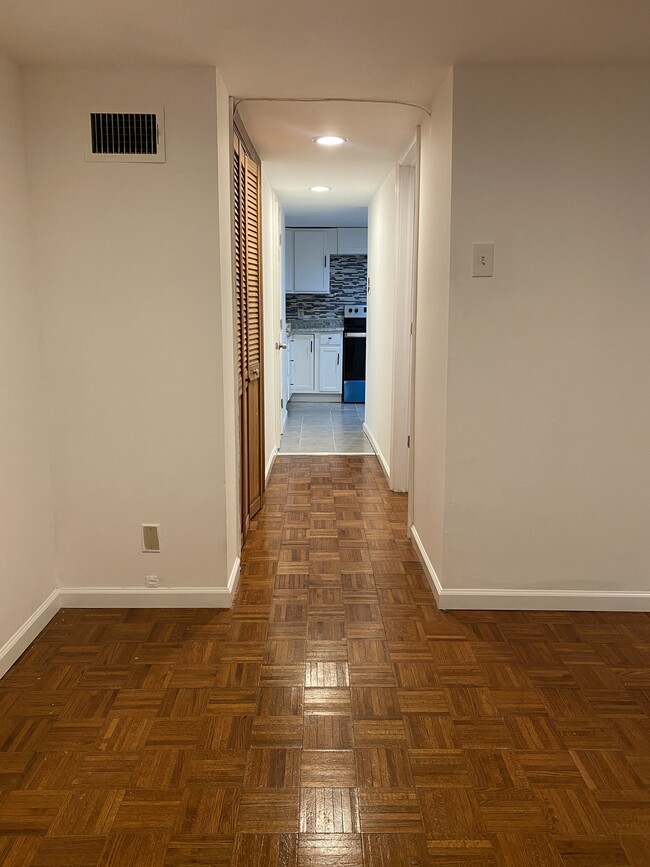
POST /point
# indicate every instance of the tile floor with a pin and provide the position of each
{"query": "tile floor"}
(330, 428)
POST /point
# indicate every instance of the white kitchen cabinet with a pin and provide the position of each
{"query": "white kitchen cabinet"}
(353, 241)
(308, 252)
(302, 363)
(316, 363)
(329, 369)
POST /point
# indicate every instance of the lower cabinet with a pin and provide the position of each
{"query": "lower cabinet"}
(302, 362)
(316, 363)
(329, 369)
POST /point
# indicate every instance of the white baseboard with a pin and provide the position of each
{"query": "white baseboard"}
(269, 464)
(233, 581)
(375, 445)
(490, 599)
(31, 628)
(427, 565)
(113, 597)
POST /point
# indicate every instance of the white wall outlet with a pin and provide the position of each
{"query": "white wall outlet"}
(150, 538)
(483, 260)
(151, 581)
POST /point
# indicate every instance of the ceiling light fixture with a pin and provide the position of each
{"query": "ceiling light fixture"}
(329, 140)
(320, 189)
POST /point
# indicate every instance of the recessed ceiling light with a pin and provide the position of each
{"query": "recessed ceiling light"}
(329, 140)
(320, 189)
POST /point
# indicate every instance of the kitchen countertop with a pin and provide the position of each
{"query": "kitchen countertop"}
(311, 326)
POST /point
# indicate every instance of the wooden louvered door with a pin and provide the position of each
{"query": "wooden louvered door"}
(248, 291)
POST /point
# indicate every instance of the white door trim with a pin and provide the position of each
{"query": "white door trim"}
(414, 154)
(400, 424)
(402, 443)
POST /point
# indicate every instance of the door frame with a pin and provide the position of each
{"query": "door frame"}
(407, 204)
(283, 344)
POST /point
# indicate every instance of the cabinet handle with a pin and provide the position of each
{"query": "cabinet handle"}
(311, 345)
(337, 359)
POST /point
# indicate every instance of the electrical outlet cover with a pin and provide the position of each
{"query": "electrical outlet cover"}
(150, 538)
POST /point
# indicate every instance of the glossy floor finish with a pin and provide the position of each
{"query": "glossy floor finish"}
(333, 718)
(325, 428)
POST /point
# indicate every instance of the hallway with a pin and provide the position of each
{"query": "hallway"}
(334, 716)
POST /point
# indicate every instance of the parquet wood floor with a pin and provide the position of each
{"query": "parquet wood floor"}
(333, 718)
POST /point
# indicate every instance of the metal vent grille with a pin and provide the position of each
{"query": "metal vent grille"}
(133, 136)
(123, 133)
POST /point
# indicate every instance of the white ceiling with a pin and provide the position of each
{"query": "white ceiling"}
(370, 49)
(284, 132)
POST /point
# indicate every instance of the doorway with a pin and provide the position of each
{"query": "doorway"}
(307, 231)
(325, 298)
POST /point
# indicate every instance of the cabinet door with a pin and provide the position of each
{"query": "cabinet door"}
(331, 241)
(302, 362)
(329, 369)
(353, 241)
(310, 262)
(288, 261)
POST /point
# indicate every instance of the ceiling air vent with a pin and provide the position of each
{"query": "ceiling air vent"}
(122, 136)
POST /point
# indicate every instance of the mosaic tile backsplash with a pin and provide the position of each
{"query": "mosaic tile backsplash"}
(348, 285)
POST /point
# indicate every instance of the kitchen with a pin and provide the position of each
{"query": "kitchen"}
(325, 297)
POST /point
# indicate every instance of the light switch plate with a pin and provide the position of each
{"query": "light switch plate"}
(483, 260)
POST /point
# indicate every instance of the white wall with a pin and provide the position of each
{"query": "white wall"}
(330, 217)
(228, 326)
(127, 262)
(547, 467)
(382, 276)
(26, 539)
(430, 386)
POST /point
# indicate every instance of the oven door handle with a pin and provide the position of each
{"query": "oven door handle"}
(355, 334)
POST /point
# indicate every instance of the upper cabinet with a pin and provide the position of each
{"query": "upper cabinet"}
(352, 241)
(308, 267)
(308, 252)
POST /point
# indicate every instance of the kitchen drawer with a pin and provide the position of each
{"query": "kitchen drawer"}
(335, 339)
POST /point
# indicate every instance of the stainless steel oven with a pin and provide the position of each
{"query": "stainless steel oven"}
(354, 353)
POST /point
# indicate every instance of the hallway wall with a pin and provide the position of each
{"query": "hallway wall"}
(431, 342)
(547, 469)
(229, 354)
(128, 266)
(382, 276)
(26, 540)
